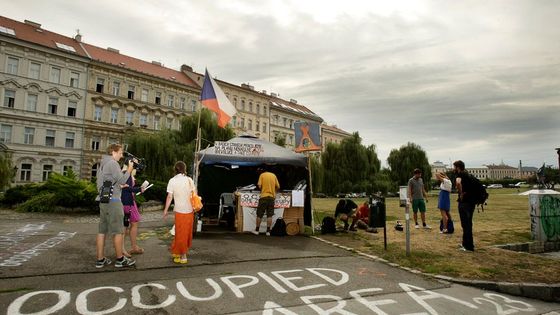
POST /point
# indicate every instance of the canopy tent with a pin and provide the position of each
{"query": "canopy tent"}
(229, 165)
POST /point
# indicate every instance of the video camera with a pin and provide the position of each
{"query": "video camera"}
(138, 164)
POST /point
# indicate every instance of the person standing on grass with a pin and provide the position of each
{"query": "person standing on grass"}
(444, 202)
(268, 184)
(417, 195)
(466, 204)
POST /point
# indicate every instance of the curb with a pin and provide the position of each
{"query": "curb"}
(539, 291)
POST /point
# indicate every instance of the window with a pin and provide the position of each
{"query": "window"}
(7, 30)
(35, 70)
(234, 121)
(243, 105)
(49, 138)
(156, 122)
(25, 172)
(158, 98)
(169, 123)
(47, 170)
(66, 169)
(143, 120)
(95, 142)
(182, 102)
(28, 135)
(53, 105)
(116, 88)
(5, 133)
(55, 75)
(74, 79)
(258, 109)
(94, 170)
(131, 90)
(242, 123)
(9, 98)
(113, 140)
(97, 113)
(13, 65)
(257, 126)
(114, 115)
(250, 124)
(144, 95)
(285, 121)
(72, 108)
(32, 102)
(264, 110)
(69, 140)
(264, 127)
(193, 105)
(100, 85)
(65, 47)
(291, 123)
(170, 100)
(250, 107)
(291, 140)
(129, 116)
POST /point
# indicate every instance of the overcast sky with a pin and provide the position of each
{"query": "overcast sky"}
(471, 80)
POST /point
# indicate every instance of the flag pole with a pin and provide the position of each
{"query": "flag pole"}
(197, 147)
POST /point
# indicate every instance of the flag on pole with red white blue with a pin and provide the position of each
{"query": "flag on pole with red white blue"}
(215, 100)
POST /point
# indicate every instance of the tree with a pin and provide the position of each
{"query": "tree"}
(6, 170)
(317, 174)
(162, 149)
(281, 141)
(349, 166)
(404, 160)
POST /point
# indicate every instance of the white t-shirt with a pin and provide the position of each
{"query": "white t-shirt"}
(181, 186)
(445, 185)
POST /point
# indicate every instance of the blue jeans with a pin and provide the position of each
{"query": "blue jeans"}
(466, 211)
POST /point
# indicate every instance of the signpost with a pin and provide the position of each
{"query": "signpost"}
(403, 198)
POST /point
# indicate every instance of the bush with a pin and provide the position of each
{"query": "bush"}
(70, 192)
(44, 202)
(157, 192)
(20, 194)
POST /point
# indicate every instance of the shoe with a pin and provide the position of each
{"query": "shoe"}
(179, 260)
(426, 226)
(417, 226)
(371, 230)
(255, 232)
(102, 262)
(346, 226)
(267, 233)
(463, 249)
(124, 262)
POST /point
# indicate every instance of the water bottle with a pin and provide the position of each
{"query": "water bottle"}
(199, 226)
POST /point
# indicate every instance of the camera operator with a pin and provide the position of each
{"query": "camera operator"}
(110, 178)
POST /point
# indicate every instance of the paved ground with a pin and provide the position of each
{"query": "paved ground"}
(47, 267)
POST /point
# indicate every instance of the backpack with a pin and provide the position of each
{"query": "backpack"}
(328, 225)
(478, 192)
(279, 228)
(450, 226)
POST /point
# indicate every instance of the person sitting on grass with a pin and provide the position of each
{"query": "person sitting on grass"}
(346, 209)
(362, 218)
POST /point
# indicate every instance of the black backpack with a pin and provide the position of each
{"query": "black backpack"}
(279, 228)
(477, 192)
(328, 225)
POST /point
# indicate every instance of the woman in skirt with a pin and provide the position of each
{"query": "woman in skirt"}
(444, 203)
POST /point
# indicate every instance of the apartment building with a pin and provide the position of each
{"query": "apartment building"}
(332, 134)
(492, 171)
(43, 78)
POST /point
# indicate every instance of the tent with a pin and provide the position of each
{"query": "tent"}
(229, 165)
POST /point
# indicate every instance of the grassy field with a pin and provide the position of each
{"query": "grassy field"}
(505, 220)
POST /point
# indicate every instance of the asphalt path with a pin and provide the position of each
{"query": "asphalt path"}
(47, 267)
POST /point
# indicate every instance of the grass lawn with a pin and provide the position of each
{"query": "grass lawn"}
(505, 220)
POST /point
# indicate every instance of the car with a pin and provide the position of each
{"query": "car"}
(320, 195)
(521, 184)
(495, 186)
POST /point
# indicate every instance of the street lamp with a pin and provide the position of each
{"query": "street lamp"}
(558, 151)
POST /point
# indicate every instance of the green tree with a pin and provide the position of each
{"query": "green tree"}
(404, 160)
(349, 166)
(281, 141)
(317, 174)
(162, 149)
(6, 170)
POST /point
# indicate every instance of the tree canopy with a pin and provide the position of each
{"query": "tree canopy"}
(404, 160)
(6, 170)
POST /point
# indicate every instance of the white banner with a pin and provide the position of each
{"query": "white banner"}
(250, 219)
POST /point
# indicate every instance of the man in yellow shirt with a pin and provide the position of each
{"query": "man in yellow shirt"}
(268, 184)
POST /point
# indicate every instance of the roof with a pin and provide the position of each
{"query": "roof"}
(334, 129)
(293, 107)
(115, 58)
(529, 169)
(502, 167)
(33, 33)
(270, 153)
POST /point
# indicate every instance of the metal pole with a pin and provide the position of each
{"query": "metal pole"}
(407, 218)
(310, 195)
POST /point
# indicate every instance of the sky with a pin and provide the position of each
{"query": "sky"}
(472, 80)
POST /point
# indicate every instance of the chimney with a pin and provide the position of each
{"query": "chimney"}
(185, 68)
(273, 94)
(157, 63)
(113, 50)
(263, 91)
(34, 24)
(293, 101)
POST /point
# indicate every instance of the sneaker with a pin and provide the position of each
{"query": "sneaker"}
(124, 262)
(417, 226)
(179, 260)
(255, 232)
(102, 262)
(267, 233)
(426, 226)
(346, 226)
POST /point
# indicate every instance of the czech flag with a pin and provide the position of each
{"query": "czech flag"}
(215, 100)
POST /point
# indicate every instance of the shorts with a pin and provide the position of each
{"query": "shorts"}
(349, 214)
(266, 204)
(111, 217)
(134, 213)
(418, 204)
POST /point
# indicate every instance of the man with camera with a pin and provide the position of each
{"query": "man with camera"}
(109, 181)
